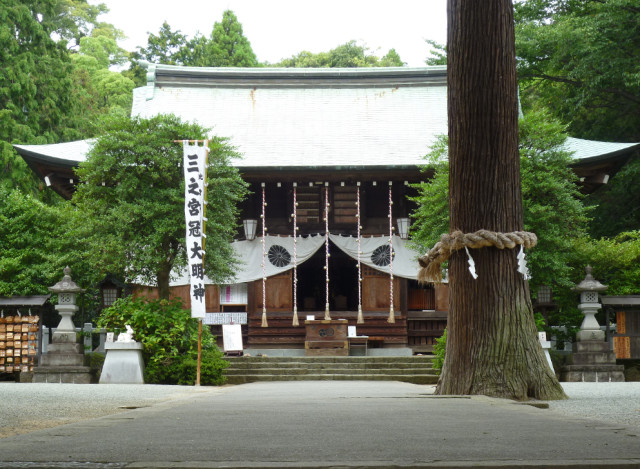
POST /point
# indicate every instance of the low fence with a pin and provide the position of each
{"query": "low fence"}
(92, 337)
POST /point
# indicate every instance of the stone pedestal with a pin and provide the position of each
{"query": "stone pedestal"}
(123, 363)
(593, 361)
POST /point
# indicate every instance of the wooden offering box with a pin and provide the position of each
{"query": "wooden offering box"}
(326, 338)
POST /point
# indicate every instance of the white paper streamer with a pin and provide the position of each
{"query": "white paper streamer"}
(522, 264)
(472, 264)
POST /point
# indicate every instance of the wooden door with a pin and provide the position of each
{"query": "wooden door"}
(279, 291)
(375, 291)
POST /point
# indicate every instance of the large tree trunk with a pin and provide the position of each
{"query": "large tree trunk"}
(492, 344)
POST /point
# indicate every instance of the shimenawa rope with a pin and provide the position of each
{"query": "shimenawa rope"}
(449, 243)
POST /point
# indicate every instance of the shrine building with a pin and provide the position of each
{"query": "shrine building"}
(330, 155)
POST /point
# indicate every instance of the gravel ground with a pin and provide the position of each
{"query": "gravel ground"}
(617, 403)
(28, 407)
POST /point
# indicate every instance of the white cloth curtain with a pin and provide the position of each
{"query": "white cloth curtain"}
(405, 260)
(278, 249)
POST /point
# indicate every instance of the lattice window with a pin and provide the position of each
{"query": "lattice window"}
(109, 296)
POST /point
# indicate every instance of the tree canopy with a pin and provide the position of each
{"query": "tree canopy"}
(350, 54)
(226, 46)
(591, 82)
(131, 196)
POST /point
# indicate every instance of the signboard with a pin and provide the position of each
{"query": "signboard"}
(232, 338)
(216, 319)
(233, 294)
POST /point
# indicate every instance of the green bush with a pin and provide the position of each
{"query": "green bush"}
(170, 339)
(439, 350)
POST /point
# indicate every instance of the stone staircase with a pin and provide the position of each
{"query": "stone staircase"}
(411, 369)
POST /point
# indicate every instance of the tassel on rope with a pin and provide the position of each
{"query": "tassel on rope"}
(360, 319)
(295, 321)
(392, 317)
(327, 314)
(264, 259)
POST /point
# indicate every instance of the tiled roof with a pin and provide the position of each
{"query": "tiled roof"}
(306, 118)
(352, 118)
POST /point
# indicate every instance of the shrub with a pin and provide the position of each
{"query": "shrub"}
(170, 340)
(439, 350)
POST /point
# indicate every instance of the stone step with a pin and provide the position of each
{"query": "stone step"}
(321, 366)
(408, 378)
(413, 369)
(302, 371)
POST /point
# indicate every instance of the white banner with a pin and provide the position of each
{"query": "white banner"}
(375, 253)
(195, 157)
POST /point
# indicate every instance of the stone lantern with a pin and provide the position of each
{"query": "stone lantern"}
(64, 361)
(592, 359)
(589, 305)
(66, 307)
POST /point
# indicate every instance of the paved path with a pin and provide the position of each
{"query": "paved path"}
(327, 424)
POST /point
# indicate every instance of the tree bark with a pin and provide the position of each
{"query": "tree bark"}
(492, 344)
(164, 276)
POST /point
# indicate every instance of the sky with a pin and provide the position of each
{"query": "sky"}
(279, 29)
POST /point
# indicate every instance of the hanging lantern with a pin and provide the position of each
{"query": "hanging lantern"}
(250, 229)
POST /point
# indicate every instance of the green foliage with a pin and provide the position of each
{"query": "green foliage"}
(170, 339)
(615, 262)
(439, 351)
(131, 198)
(99, 91)
(617, 205)
(26, 244)
(346, 55)
(35, 77)
(551, 201)
(438, 53)
(228, 47)
(592, 82)
(540, 322)
(45, 96)
(431, 217)
(36, 243)
(75, 19)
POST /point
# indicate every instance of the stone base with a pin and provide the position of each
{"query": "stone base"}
(62, 374)
(64, 362)
(592, 373)
(123, 363)
(590, 335)
(592, 361)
